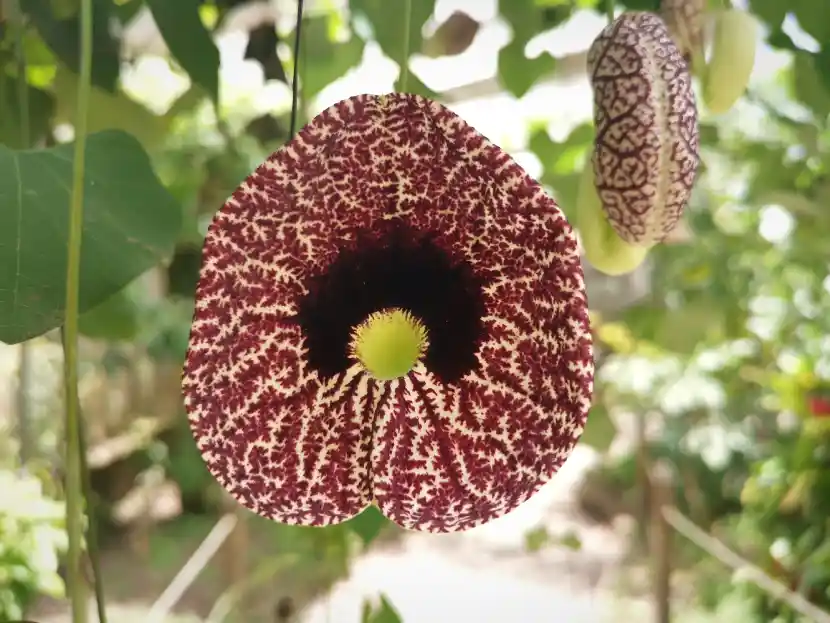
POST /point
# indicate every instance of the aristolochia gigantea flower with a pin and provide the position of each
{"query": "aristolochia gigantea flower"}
(389, 310)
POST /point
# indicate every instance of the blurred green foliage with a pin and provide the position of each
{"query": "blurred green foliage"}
(31, 539)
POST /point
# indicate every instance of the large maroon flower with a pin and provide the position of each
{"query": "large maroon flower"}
(388, 202)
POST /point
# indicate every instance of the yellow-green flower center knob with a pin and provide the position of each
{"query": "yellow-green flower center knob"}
(389, 343)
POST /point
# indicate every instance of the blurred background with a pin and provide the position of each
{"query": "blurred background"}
(710, 432)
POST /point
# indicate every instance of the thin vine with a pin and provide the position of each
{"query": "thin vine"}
(74, 463)
(609, 10)
(295, 86)
(407, 27)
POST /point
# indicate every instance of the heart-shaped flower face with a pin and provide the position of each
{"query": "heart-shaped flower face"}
(389, 310)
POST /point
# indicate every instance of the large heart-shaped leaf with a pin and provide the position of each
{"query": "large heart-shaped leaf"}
(130, 224)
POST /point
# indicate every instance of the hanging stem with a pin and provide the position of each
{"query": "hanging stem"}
(74, 480)
(407, 27)
(609, 10)
(295, 78)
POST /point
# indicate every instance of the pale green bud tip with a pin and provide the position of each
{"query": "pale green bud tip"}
(389, 343)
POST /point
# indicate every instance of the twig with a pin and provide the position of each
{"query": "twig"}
(74, 467)
(660, 539)
(718, 550)
(192, 568)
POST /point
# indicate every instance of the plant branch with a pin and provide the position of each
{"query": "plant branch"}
(74, 465)
(295, 86)
(407, 27)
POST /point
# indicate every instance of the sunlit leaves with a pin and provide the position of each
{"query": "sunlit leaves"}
(388, 22)
(382, 612)
(189, 41)
(62, 36)
(517, 73)
(108, 111)
(325, 57)
(561, 162)
(808, 85)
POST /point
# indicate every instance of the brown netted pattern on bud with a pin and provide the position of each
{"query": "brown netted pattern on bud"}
(646, 149)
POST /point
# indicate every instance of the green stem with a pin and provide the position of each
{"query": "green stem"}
(74, 480)
(22, 86)
(609, 10)
(407, 27)
(92, 528)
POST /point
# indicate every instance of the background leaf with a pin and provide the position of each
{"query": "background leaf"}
(116, 319)
(518, 73)
(62, 37)
(382, 613)
(189, 41)
(387, 19)
(368, 524)
(41, 109)
(325, 60)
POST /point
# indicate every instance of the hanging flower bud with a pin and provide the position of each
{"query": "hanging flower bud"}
(731, 60)
(647, 140)
(603, 248)
(684, 19)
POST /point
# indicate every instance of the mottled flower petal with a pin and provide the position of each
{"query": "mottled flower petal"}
(303, 443)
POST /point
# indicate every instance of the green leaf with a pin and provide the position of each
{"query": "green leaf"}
(116, 319)
(517, 73)
(368, 524)
(536, 539)
(560, 162)
(130, 224)
(41, 107)
(808, 85)
(383, 613)
(632, 5)
(387, 21)
(109, 111)
(324, 60)
(62, 36)
(125, 11)
(772, 12)
(64, 9)
(600, 430)
(812, 17)
(189, 41)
